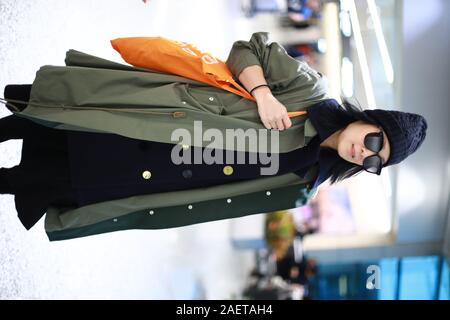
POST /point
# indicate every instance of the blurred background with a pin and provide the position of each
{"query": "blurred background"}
(370, 237)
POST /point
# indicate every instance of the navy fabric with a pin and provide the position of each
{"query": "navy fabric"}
(42, 176)
(327, 157)
(405, 131)
(109, 166)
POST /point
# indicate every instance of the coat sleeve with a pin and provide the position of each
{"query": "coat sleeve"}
(279, 68)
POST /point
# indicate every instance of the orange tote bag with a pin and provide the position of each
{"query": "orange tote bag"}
(182, 59)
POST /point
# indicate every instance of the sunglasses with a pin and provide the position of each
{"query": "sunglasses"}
(374, 142)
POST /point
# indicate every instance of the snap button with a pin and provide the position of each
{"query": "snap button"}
(227, 170)
(115, 220)
(190, 206)
(187, 173)
(268, 193)
(146, 174)
(151, 212)
(229, 200)
(211, 99)
(183, 102)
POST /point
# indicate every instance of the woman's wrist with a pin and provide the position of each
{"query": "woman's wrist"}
(261, 92)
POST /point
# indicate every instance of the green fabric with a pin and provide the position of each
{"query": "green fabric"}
(97, 95)
(203, 211)
(63, 218)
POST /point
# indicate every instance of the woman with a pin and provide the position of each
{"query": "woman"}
(113, 125)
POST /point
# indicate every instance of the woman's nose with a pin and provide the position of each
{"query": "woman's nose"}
(366, 153)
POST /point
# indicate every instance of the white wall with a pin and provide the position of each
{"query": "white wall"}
(423, 179)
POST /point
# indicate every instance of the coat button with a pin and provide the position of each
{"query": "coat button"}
(187, 173)
(146, 174)
(211, 99)
(227, 170)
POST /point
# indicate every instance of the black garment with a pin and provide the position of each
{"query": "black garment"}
(42, 177)
(109, 166)
(288, 262)
(17, 92)
(328, 157)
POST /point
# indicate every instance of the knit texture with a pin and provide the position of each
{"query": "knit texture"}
(405, 131)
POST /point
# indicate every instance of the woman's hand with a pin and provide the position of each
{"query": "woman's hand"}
(272, 113)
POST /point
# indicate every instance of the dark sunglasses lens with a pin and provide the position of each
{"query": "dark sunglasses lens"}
(373, 141)
(372, 164)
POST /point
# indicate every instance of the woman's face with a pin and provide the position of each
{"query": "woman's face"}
(351, 140)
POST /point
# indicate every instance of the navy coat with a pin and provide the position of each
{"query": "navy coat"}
(120, 161)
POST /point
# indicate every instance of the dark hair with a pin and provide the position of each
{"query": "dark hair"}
(338, 119)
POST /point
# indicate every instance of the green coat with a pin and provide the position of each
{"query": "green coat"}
(97, 95)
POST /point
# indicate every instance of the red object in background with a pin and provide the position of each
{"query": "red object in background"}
(305, 49)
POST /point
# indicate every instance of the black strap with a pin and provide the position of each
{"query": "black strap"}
(261, 85)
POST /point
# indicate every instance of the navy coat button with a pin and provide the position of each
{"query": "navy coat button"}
(187, 173)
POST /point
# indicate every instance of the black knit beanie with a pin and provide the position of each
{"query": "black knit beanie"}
(405, 131)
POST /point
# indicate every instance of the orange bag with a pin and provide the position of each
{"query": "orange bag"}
(180, 58)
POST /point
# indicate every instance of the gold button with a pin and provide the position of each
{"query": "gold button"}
(228, 170)
(146, 174)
